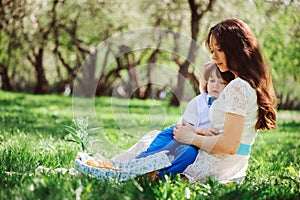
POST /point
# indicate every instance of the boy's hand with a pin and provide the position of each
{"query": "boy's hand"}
(213, 131)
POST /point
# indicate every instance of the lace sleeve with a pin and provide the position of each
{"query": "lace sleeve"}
(237, 99)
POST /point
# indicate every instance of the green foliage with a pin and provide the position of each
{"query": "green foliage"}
(281, 46)
(32, 135)
(67, 31)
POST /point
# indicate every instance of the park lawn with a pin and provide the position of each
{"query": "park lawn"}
(32, 131)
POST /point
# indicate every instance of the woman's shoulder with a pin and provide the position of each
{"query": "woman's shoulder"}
(238, 82)
(240, 85)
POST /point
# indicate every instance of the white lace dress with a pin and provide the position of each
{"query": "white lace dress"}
(238, 98)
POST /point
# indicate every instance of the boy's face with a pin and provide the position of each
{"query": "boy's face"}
(215, 85)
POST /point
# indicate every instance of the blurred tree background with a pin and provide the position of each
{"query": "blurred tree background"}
(43, 43)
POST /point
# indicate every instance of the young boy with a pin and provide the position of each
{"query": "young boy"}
(196, 114)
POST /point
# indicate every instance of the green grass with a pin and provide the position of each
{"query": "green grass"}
(32, 134)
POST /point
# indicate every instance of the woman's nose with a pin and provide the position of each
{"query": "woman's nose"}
(214, 56)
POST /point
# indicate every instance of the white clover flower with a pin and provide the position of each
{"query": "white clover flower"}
(73, 172)
(39, 169)
(63, 171)
(187, 192)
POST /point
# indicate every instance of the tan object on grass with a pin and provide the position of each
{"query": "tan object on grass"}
(101, 162)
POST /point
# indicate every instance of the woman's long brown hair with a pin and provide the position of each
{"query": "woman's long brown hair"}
(244, 57)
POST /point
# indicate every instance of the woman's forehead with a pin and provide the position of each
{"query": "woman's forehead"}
(213, 42)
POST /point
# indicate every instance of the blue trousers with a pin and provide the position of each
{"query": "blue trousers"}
(184, 155)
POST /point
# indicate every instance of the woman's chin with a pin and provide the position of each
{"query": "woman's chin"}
(223, 69)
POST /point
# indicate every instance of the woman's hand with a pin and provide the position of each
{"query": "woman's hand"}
(184, 134)
(210, 131)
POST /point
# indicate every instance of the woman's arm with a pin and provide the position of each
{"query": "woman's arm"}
(228, 142)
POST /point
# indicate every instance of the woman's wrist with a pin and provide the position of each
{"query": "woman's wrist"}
(201, 131)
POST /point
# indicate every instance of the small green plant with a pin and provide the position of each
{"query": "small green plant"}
(79, 134)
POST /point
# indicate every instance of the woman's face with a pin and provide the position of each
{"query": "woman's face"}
(218, 55)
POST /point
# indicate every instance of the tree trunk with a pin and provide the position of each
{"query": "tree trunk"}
(195, 82)
(5, 78)
(151, 62)
(42, 84)
(134, 85)
(182, 74)
(183, 68)
(196, 16)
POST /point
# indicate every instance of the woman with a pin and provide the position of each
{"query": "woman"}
(245, 106)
